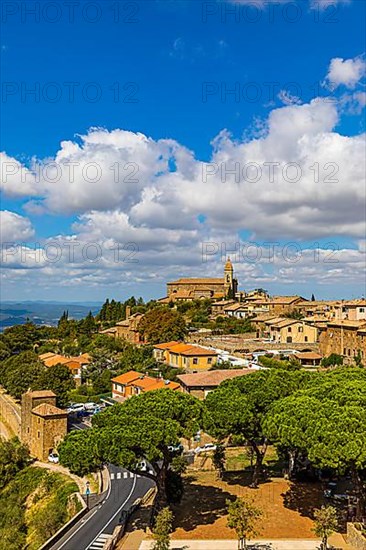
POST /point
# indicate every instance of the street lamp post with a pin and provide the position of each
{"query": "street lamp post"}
(87, 492)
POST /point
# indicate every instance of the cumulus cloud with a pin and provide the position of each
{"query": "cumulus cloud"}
(301, 177)
(14, 227)
(143, 204)
(16, 179)
(346, 72)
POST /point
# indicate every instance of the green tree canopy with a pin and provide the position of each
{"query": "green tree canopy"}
(238, 407)
(327, 421)
(243, 516)
(59, 379)
(141, 428)
(162, 324)
(14, 456)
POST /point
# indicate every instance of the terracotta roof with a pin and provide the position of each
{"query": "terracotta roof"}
(127, 377)
(285, 322)
(55, 359)
(346, 323)
(263, 317)
(307, 355)
(285, 299)
(212, 281)
(166, 345)
(48, 410)
(357, 303)
(212, 378)
(273, 320)
(223, 303)
(46, 355)
(187, 349)
(41, 393)
(149, 384)
(235, 306)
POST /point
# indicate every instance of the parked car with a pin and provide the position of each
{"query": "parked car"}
(90, 406)
(206, 448)
(53, 457)
(76, 407)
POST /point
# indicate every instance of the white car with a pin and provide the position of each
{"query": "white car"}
(206, 448)
(53, 457)
(90, 406)
(76, 407)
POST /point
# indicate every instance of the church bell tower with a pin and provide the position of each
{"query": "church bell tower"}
(229, 284)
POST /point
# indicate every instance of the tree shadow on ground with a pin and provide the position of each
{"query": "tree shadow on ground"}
(243, 478)
(201, 505)
(304, 498)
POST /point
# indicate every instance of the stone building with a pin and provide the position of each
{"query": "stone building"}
(43, 425)
(201, 288)
(346, 338)
(127, 329)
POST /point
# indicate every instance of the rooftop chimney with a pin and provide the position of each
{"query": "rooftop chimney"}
(128, 312)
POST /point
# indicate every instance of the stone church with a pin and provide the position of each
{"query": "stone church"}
(198, 289)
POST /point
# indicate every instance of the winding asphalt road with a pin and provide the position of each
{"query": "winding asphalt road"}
(91, 532)
(93, 529)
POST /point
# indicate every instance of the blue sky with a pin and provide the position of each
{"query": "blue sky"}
(167, 70)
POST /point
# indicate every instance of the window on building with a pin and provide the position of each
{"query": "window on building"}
(39, 434)
(306, 338)
(301, 329)
(209, 360)
(289, 329)
(195, 361)
(344, 351)
(362, 310)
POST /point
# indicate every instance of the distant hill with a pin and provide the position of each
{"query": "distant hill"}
(42, 313)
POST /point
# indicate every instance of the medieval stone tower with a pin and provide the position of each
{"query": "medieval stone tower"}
(43, 425)
(230, 284)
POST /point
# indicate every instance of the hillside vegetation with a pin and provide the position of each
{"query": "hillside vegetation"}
(34, 502)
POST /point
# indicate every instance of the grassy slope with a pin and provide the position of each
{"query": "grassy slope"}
(34, 505)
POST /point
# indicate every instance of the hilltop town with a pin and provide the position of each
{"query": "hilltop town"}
(198, 347)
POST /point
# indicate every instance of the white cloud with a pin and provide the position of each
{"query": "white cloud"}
(347, 72)
(300, 177)
(150, 210)
(16, 180)
(14, 228)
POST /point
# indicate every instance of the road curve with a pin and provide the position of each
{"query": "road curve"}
(93, 529)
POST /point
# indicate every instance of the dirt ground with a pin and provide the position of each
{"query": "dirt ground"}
(287, 507)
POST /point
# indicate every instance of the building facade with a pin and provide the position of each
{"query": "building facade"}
(185, 356)
(43, 425)
(135, 383)
(346, 338)
(204, 288)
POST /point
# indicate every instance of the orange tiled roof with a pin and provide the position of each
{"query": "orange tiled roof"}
(307, 355)
(46, 355)
(211, 378)
(187, 349)
(127, 377)
(285, 299)
(56, 360)
(166, 345)
(347, 324)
